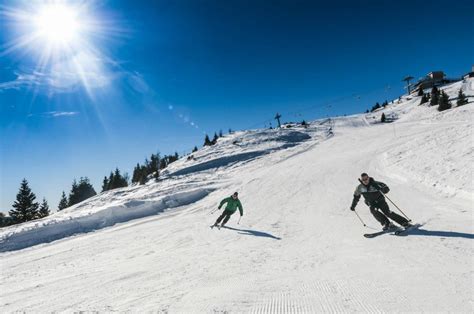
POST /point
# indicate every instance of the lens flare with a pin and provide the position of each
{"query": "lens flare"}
(57, 23)
(62, 43)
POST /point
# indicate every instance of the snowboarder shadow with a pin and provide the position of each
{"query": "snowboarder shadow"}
(437, 233)
(253, 232)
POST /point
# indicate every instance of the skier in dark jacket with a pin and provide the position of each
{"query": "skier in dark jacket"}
(373, 192)
(233, 203)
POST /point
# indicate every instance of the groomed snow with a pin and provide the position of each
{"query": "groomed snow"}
(298, 247)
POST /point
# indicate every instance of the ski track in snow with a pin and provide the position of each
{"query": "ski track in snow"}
(298, 248)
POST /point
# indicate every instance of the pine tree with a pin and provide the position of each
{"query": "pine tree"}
(154, 163)
(383, 119)
(207, 141)
(434, 96)
(420, 92)
(214, 140)
(25, 207)
(81, 191)
(4, 221)
(136, 174)
(230, 131)
(143, 175)
(105, 184)
(44, 209)
(220, 133)
(63, 202)
(444, 103)
(462, 99)
(424, 99)
(195, 149)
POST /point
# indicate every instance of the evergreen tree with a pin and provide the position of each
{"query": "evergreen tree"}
(462, 99)
(434, 96)
(81, 191)
(424, 99)
(195, 149)
(420, 92)
(383, 119)
(230, 131)
(25, 207)
(377, 106)
(4, 220)
(136, 174)
(143, 175)
(214, 140)
(120, 181)
(207, 141)
(220, 133)
(105, 184)
(63, 202)
(444, 103)
(154, 163)
(44, 209)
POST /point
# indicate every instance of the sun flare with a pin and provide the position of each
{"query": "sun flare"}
(57, 24)
(62, 42)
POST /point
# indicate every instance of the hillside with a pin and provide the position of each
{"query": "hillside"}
(298, 247)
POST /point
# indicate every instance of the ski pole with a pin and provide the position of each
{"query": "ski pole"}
(397, 207)
(360, 218)
(212, 212)
(238, 222)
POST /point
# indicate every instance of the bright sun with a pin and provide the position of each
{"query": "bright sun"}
(57, 24)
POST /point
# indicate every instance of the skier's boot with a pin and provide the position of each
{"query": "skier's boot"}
(407, 225)
(388, 226)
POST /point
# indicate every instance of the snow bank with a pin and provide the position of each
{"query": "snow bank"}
(47, 230)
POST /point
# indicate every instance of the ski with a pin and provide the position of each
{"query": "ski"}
(379, 233)
(402, 231)
(212, 226)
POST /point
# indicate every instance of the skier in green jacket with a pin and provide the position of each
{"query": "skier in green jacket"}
(233, 203)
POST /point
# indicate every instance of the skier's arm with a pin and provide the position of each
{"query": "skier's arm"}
(225, 200)
(382, 187)
(355, 199)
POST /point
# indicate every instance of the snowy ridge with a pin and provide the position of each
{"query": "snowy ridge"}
(298, 247)
(183, 184)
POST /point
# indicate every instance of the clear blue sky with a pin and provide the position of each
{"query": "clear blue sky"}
(151, 76)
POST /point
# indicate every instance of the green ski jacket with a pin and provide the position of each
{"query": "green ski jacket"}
(232, 205)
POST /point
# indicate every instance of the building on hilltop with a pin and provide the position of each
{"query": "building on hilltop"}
(469, 74)
(432, 79)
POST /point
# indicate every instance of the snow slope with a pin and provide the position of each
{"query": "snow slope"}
(298, 247)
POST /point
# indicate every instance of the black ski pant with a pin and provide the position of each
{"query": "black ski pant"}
(382, 216)
(225, 215)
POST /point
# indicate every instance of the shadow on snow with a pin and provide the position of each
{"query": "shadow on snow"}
(254, 233)
(436, 233)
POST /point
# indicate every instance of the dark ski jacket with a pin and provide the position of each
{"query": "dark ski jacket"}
(373, 192)
(232, 205)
